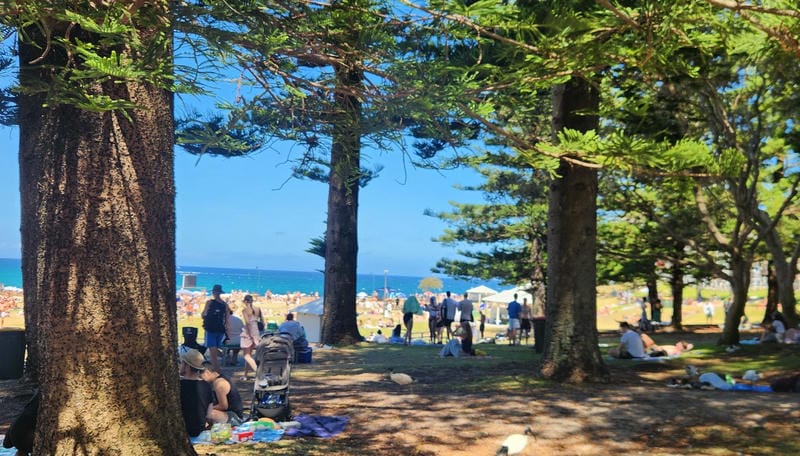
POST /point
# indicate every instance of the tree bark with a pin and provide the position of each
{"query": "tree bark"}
(740, 284)
(784, 268)
(339, 322)
(571, 352)
(772, 293)
(98, 242)
(538, 284)
(677, 286)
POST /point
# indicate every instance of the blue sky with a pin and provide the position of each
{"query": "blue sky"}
(242, 212)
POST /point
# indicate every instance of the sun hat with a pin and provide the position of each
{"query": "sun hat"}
(193, 358)
(217, 289)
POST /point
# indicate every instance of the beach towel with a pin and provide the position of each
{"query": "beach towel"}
(656, 358)
(318, 426)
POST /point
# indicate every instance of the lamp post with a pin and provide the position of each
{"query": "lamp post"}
(385, 287)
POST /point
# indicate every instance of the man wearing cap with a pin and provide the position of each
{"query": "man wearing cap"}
(195, 392)
(630, 344)
(216, 322)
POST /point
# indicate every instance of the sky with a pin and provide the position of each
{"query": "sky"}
(244, 213)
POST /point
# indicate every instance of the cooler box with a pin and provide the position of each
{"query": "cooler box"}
(304, 355)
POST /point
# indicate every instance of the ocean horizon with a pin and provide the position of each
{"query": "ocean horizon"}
(276, 281)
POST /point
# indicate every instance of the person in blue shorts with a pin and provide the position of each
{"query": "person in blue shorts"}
(514, 309)
(216, 321)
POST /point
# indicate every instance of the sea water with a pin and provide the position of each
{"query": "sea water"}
(278, 282)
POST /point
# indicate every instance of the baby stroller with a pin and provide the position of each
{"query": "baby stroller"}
(274, 356)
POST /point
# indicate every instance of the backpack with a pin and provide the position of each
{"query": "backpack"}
(214, 320)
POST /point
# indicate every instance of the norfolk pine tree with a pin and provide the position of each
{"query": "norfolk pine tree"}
(98, 225)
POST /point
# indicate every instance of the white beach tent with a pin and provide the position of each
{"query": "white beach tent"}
(498, 303)
(478, 293)
(310, 316)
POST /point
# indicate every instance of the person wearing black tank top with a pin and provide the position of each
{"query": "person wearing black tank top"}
(226, 406)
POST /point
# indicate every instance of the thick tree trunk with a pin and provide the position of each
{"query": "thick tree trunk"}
(571, 352)
(98, 224)
(785, 271)
(339, 324)
(676, 286)
(740, 284)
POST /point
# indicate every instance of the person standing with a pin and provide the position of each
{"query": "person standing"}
(250, 335)
(465, 307)
(708, 310)
(234, 340)
(410, 307)
(448, 311)
(514, 309)
(525, 320)
(216, 321)
(482, 327)
(433, 319)
(655, 312)
(226, 405)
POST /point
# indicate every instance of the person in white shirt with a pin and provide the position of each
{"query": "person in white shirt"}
(630, 344)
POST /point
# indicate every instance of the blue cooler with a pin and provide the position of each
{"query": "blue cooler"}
(304, 356)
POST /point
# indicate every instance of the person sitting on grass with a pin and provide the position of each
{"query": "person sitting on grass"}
(397, 337)
(226, 405)
(294, 329)
(774, 329)
(464, 332)
(630, 344)
(195, 393)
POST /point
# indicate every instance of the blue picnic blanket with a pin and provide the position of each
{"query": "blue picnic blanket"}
(318, 426)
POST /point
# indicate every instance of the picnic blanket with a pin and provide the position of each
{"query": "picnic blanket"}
(318, 426)
(719, 383)
(259, 436)
(656, 358)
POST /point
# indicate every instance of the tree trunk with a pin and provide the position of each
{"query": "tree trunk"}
(772, 293)
(676, 286)
(785, 270)
(652, 291)
(571, 352)
(98, 242)
(339, 324)
(539, 286)
(740, 284)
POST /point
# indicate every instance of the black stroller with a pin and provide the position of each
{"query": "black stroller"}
(274, 356)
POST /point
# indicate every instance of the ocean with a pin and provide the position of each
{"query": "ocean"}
(278, 282)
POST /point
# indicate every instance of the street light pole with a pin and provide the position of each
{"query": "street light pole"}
(385, 287)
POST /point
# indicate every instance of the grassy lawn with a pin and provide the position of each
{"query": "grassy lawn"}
(351, 382)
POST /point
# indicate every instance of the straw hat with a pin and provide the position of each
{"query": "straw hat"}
(193, 358)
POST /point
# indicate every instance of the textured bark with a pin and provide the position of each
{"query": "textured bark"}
(784, 269)
(98, 224)
(339, 323)
(571, 350)
(772, 293)
(676, 286)
(538, 284)
(740, 283)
